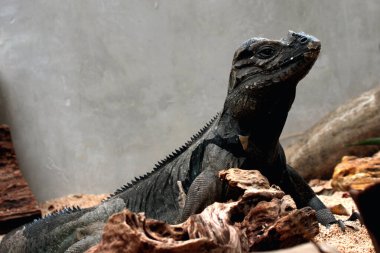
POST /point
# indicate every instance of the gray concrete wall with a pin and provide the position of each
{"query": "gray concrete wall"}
(96, 91)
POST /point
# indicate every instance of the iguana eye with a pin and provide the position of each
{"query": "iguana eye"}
(265, 52)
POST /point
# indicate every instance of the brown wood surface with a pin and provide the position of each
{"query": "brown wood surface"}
(263, 218)
(17, 203)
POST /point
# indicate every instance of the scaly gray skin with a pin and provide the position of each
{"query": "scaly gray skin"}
(245, 134)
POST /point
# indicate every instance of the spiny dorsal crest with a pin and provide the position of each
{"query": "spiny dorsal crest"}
(168, 159)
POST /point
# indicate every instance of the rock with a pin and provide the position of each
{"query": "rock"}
(263, 218)
(17, 203)
(339, 210)
(321, 187)
(319, 149)
(356, 173)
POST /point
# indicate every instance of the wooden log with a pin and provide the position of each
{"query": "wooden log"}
(17, 203)
(263, 218)
(319, 149)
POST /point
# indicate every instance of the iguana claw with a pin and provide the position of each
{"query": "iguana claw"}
(341, 225)
(354, 216)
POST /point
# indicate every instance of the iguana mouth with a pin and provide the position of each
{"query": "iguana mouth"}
(312, 54)
(291, 60)
(282, 65)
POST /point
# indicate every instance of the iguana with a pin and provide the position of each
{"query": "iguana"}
(245, 134)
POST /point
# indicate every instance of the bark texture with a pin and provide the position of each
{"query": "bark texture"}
(17, 203)
(263, 218)
(319, 149)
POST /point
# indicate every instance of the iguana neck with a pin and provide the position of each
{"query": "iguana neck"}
(261, 129)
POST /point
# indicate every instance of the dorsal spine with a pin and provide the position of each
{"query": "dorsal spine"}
(161, 164)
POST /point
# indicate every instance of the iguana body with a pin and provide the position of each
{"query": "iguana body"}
(245, 134)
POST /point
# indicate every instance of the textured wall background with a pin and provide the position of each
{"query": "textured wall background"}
(97, 91)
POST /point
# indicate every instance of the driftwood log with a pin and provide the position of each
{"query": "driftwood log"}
(320, 148)
(263, 218)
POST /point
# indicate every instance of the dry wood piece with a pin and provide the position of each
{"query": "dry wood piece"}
(263, 218)
(321, 147)
(17, 203)
(369, 211)
(356, 173)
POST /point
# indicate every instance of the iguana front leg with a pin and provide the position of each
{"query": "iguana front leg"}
(84, 244)
(293, 184)
(306, 197)
(204, 190)
(207, 188)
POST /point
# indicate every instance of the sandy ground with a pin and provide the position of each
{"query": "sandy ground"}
(355, 239)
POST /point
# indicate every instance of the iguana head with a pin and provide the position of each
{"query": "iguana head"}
(265, 73)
